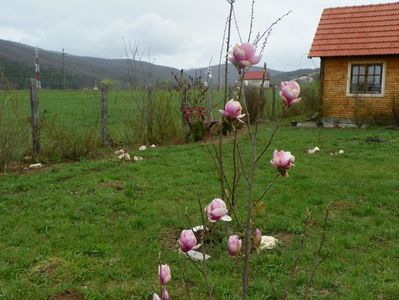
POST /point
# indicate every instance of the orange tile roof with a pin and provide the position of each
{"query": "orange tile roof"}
(357, 30)
(256, 75)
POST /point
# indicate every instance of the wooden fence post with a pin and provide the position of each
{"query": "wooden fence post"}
(35, 120)
(149, 113)
(274, 102)
(104, 115)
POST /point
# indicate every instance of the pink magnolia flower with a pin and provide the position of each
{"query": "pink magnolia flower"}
(234, 245)
(290, 92)
(164, 274)
(282, 161)
(232, 110)
(155, 297)
(258, 237)
(216, 210)
(243, 56)
(165, 294)
(188, 241)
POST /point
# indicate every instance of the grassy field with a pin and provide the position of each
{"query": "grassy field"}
(70, 121)
(94, 229)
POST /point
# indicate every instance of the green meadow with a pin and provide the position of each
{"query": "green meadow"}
(93, 229)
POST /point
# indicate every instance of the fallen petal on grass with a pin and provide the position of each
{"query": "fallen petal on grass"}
(119, 152)
(36, 166)
(197, 228)
(268, 242)
(196, 255)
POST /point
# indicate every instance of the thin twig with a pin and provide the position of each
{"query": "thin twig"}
(231, 2)
(242, 163)
(318, 257)
(267, 189)
(260, 36)
(209, 288)
(221, 52)
(298, 254)
(216, 161)
(185, 281)
(271, 137)
(233, 192)
(194, 264)
(236, 23)
(252, 20)
(248, 224)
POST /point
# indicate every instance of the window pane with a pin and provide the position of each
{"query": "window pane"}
(370, 70)
(370, 79)
(355, 70)
(366, 79)
(378, 69)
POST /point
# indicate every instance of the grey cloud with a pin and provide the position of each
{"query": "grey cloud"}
(178, 33)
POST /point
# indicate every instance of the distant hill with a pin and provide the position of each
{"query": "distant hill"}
(17, 62)
(80, 71)
(285, 76)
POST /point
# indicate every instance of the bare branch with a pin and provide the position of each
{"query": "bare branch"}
(259, 37)
(252, 20)
(236, 23)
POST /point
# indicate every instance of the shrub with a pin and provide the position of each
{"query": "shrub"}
(165, 115)
(310, 94)
(65, 144)
(395, 108)
(13, 127)
(361, 112)
(255, 103)
(13, 131)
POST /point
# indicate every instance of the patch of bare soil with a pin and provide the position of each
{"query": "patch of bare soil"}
(116, 185)
(342, 205)
(285, 237)
(67, 295)
(48, 266)
(168, 238)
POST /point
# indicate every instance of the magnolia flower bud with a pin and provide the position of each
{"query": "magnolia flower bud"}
(187, 241)
(232, 110)
(282, 161)
(216, 210)
(234, 245)
(243, 56)
(290, 92)
(164, 274)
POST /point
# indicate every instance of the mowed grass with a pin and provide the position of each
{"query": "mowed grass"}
(95, 228)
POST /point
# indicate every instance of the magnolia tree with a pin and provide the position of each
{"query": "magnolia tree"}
(242, 236)
(242, 57)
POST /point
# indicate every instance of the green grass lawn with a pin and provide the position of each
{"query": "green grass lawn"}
(95, 228)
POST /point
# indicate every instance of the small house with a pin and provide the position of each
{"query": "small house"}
(305, 78)
(359, 68)
(255, 79)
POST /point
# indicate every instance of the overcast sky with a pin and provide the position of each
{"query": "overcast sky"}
(177, 33)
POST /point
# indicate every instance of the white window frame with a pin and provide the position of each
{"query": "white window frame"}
(366, 62)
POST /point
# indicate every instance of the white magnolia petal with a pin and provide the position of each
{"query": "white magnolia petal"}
(268, 242)
(226, 218)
